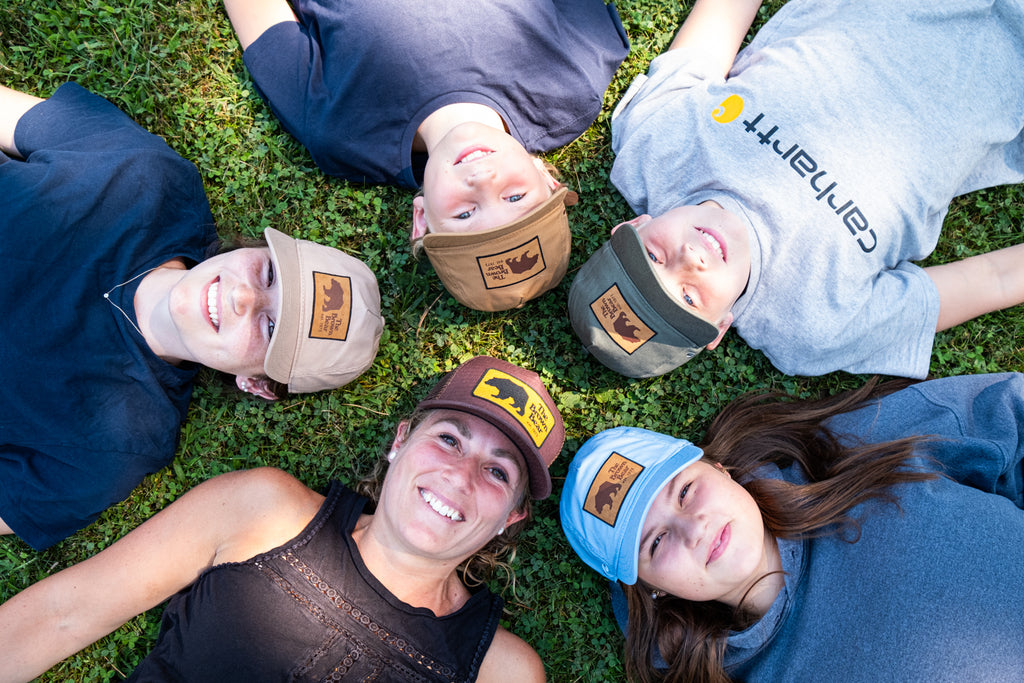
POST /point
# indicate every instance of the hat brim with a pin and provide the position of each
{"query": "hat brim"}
(626, 316)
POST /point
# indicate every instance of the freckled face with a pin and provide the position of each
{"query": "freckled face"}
(477, 178)
(702, 253)
(455, 482)
(703, 538)
(225, 308)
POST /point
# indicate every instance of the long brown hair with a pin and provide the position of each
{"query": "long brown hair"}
(749, 433)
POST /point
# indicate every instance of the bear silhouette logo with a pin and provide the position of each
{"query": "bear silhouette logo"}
(605, 495)
(523, 263)
(626, 330)
(334, 296)
(507, 389)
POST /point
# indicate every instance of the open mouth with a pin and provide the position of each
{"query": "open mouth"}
(212, 304)
(473, 154)
(439, 507)
(713, 242)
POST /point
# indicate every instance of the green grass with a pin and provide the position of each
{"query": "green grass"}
(176, 68)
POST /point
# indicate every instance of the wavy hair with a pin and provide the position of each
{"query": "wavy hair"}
(752, 432)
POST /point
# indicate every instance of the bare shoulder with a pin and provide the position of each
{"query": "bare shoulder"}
(269, 506)
(510, 658)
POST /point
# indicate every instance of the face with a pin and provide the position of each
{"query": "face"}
(453, 484)
(478, 177)
(224, 311)
(702, 253)
(704, 538)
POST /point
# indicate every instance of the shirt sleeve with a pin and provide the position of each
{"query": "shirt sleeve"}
(977, 422)
(74, 118)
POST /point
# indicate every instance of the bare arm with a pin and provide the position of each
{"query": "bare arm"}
(978, 284)
(228, 518)
(13, 105)
(716, 28)
(509, 658)
(250, 18)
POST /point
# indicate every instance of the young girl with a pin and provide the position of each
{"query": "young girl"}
(278, 582)
(112, 302)
(850, 538)
(451, 97)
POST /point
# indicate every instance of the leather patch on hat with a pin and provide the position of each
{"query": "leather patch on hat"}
(332, 306)
(519, 400)
(619, 320)
(610, 487)
(512, 266)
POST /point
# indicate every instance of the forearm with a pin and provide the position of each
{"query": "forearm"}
(716, 28)
(978, 284)
(13, 105)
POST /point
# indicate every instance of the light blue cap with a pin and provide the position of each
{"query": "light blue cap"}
(609, 489)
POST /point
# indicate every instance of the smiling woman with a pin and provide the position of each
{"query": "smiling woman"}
(802, 525)
(104, 234)
(278, 582)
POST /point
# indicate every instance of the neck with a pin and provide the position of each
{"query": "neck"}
(772, 580)
(152, 310)
(441, 121)
(415, 580)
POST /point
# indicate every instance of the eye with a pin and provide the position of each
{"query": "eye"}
(449, 439)
(651, 256)
(688, 299)
(270, 329)
(499, 474)
(464, 215)
(683, 492)
(270, 273)
(655, 543)
(514, 198)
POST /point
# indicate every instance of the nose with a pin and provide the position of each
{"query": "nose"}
(691, 529)
(694, 256)
(459, 472)
(481, 174)
(247, 299)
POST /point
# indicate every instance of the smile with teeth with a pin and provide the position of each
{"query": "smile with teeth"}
(211, 303)
(439, 507)
(712, 242)
(473, 156)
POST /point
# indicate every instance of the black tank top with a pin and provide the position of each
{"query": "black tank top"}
(311, 611)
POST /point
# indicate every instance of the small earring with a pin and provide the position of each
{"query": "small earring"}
(501, 531)
(243, 385)
(654, 595)
(391, 455)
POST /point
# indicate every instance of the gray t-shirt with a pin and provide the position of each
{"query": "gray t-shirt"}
(840, 136)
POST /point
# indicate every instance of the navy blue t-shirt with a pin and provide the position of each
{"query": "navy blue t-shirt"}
(88, 409)
(354, 80)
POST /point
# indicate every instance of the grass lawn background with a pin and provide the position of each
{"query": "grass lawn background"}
(176, 68)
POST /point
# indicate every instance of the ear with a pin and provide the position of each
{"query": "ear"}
(723, 327)
(549, 179)
(637, 222)
(419, 220)
(257, 386)
(401, 434)
(515, 516)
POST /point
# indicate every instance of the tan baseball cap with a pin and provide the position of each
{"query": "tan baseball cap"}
(504, 267)
(329, 327)
(515, 401)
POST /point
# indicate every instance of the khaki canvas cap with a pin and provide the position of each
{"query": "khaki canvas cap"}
(626, 317)
(504, 267)
(329, 327)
